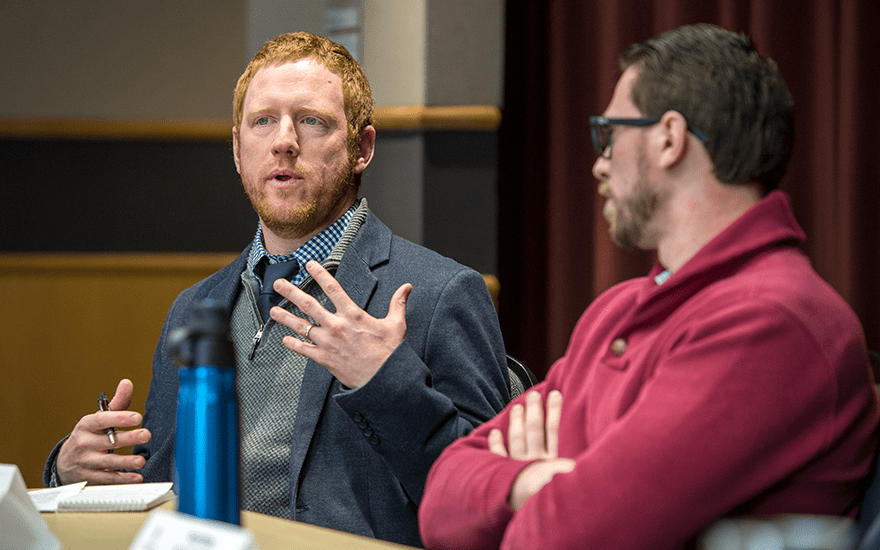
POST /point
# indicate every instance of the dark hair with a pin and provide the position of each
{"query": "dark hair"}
(722, 86)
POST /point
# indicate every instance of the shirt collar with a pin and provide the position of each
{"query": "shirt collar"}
(662, 276)
(317, 248)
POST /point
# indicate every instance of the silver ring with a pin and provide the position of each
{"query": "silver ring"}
(306, 333)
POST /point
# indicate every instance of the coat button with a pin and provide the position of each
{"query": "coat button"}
(374, 439)
(618, 347)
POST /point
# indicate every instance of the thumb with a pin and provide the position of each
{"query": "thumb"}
(397, 307)
(122, 399)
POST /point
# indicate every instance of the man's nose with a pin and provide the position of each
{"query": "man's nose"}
(286, 142)
(600, 168)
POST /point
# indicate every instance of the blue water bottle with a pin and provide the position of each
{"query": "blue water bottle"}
(206, 452)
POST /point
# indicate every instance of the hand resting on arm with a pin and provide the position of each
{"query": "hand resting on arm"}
(531, 436)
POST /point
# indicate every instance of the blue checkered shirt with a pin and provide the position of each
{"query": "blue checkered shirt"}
(317, 248)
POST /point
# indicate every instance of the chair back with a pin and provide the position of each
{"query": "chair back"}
(521, 378)
(868, 522)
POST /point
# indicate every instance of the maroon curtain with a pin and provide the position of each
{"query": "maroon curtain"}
(561, 67)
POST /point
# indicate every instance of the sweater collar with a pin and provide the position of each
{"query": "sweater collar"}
(768, 223)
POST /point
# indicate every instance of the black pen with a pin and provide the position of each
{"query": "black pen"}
(104, 406)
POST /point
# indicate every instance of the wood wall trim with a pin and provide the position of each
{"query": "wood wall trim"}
(408, 117)
(135, 263)
(420, 117)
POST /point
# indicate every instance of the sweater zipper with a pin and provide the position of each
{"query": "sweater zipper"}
(259, 335)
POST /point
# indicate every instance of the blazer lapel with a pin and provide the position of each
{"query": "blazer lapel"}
(367, 250)
(315, 387)
(226, 291)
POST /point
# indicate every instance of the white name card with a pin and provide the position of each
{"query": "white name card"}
(21, 526)
(166, 529)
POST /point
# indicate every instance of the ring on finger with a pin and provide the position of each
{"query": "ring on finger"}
(306, 333)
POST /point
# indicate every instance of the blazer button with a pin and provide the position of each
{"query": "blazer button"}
(618, 347)
(374, 439)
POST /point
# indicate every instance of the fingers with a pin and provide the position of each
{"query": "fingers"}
(326, 281)
(526, 431)
(122, 398)
(97, 477)
(99, 468)
(349, 342)
(85, 455)
(308, 304)
(102, 461)
(90, 433)
(554, 414)
(535, 437)
(112, 477)
(516, 437)
(343, 304)
(533, 431)
(100, 421)
(496, 442)
(298, 324)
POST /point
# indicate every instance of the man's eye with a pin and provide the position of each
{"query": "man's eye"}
(262, 121)
(311, 121)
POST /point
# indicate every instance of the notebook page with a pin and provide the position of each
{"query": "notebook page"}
(134, 497)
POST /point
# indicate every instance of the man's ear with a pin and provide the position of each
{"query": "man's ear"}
(673, 139)
(236, 149)
(366, 146)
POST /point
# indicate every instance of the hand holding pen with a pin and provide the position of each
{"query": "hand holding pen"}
(84, 454)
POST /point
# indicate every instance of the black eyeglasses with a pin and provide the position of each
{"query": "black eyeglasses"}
(600, 127)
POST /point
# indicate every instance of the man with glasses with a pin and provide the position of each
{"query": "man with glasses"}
(731, 381)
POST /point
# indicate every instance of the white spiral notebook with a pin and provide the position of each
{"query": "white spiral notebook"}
(136, 497)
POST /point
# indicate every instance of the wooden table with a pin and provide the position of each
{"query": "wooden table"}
(100, 531)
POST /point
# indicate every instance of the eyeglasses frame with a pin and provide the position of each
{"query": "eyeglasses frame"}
(599, 121)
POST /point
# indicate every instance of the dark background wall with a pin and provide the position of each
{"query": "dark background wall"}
(115, 196)
(107, 61)
(183, 196)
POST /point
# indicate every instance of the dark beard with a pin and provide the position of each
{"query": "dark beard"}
(638, 212)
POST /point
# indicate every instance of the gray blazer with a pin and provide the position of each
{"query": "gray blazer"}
(360, 458)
